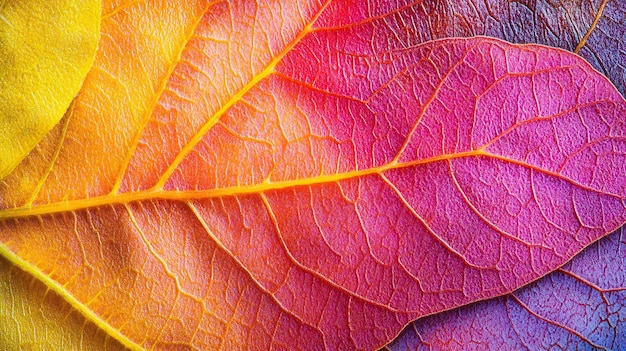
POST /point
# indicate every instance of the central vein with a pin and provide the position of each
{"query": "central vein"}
(160, 194)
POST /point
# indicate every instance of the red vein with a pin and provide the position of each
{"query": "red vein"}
(590, 284)
(311, 271)
(480, 215)
(433, 234)
(545, 118)
(430, 100)
(512, 324)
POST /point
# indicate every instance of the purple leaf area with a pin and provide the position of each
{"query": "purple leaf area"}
(317, 175)
(606, 48)
(592, 28)
(581, 306)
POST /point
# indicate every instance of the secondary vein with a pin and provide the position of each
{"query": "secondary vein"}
(583, 40)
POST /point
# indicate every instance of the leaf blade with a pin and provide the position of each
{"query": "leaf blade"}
(59, 318)
(46, 52)
(351, 223)
(577, 306)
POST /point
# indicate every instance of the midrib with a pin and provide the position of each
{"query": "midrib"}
(161, 194)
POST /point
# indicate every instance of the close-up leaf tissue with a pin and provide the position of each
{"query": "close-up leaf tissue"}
(386, 175)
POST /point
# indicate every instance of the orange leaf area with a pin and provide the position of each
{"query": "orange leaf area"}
(295, 176)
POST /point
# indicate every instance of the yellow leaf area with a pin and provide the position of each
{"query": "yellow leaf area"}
(34, 318)
(46, 50)
(118, 268)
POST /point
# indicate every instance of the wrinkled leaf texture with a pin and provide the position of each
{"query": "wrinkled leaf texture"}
(581, 306)
(594, 30)
(46, 50)
(308, 175)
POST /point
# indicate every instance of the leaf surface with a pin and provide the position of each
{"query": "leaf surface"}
(34, 318)
(581, 306)
(589, 28)
(245, 175)
(46, 50)
(592, 28)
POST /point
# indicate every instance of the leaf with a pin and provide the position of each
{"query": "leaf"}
(46, 50)
(32, 318)
(578, 307)
(590, 29)
(235, 175)
(593, 29)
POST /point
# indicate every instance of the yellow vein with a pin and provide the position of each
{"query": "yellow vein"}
(267, 71)
(153, 194)
(68, 297)
(157, 95)
(593, 26)
(120, 9)
(55, 156)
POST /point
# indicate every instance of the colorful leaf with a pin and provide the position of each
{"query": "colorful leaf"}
(33, 318)
(303, 176)
(46, 50)
(592, 28)
(581, 306)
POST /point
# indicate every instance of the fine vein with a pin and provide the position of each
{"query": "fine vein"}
(267, 71)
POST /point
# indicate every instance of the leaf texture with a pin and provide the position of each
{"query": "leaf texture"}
(592, 28)
(33, 318)
(293, 176)
(581, 306)
(46, 50)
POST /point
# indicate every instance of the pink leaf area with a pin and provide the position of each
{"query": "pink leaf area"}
(581, 306)
(592, 28)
